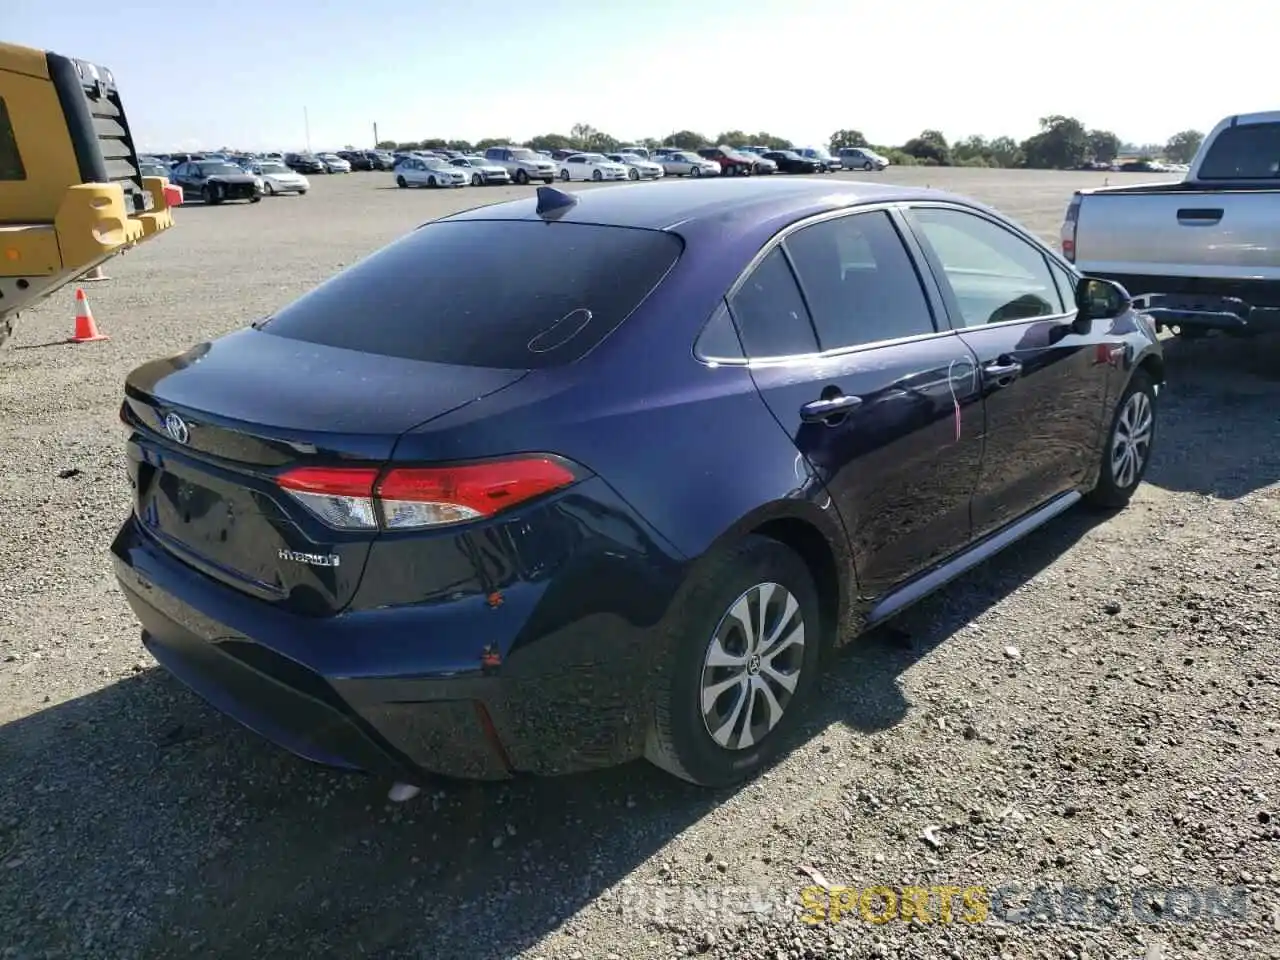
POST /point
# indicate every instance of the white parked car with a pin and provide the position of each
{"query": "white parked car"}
(481, 171)
(333, 163)
(638, 168)
(591, 166)
(429, 172)
(685, 164)
(277, 178)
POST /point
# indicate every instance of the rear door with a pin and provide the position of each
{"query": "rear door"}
(1043, 377)
(878, 395)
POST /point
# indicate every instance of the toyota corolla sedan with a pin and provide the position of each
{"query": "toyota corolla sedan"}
(621, 503)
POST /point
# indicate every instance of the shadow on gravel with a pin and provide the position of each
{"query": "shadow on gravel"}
(1219, 417)
(137, 822)
(141, 823)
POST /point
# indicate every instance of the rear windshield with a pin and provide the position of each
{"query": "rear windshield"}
(513, 294)
(1248, 152)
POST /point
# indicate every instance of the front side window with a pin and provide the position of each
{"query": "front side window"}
(994, 275)
(860, 282)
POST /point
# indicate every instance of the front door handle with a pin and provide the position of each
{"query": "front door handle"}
(1001, 373)
(819, 411)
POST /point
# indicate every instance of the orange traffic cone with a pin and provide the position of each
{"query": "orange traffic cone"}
(86, 329)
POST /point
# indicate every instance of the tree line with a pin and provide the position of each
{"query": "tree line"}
(1063, 143)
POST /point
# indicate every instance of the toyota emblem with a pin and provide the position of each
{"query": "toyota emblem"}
(177, 428)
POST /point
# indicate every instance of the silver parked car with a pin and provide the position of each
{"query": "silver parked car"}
(861, 158)
(682, 163)
(481, 171)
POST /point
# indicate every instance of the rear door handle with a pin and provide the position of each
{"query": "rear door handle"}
(818, 411)
(1001, 374)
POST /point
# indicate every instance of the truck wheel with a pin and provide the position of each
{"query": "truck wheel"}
(740, 657)
(1127, 452)
(522, 178)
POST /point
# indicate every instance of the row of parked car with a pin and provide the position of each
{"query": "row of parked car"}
(218, 177)
(511, 164)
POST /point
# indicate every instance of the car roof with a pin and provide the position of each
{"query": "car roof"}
(710, 202)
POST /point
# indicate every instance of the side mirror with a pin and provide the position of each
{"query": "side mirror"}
(1098, 299)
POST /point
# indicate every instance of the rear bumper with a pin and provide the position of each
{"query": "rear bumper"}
(1239, 307)
(402, 690)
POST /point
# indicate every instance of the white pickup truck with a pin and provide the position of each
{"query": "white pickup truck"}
(1200, 254)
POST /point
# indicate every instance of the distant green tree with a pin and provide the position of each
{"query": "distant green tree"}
(463, 146)
(1183, 146)
(385, 145)
(488, 142)
(1061, 144)
(930, 147)
(1104, 145)
(733, 138)
(551, 141)
(686, 140)
(847, 138)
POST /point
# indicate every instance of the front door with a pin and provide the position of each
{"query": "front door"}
(1043, 377)
(879, 397)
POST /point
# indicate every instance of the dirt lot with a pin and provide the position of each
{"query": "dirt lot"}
(1098, 706)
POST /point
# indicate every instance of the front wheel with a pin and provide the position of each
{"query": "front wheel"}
(271, 190)
(564, 175)
(401, 182)
(431, 182)
(257, 198)
(1127, 453)
(633, 174)
(696, 171)
(597, 176)
(740, 658)
(476, 180)
(868, 166)
(521, 177)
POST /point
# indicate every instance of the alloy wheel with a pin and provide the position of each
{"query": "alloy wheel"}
(751, 666)
(1131, 442)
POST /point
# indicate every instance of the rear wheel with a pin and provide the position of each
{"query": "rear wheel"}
(256, 198)
(742, 657)
(431, 182)
(1128, 448)
(401, 182)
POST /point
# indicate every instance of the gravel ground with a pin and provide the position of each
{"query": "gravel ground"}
(1096, 707)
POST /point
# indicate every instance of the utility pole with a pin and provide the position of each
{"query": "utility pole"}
(375, 136)
(306, 122)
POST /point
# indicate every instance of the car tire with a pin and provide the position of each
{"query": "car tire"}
(302, 193)
(564, 176)
(1130, 440)
(868, 166)
(703, 624)
(271, 191)
(256, 198)
(431, 182)
(401, 182)
(633, 174)
(597, 176)
(521, 177)
(695, 171)
(477, 180)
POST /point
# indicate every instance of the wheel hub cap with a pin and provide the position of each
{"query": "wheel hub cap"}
(752, 666)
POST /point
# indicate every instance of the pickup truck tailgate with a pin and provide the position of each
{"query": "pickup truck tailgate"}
(1175, 232)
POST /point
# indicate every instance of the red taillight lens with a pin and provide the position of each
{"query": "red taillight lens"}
(408, 498)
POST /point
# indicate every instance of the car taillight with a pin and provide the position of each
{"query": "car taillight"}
(1069, 224)
(409, 498)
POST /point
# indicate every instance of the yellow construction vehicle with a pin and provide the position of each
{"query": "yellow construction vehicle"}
(71, 190)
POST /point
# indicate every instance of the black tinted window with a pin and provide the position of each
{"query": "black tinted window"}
(11, 167)
(719, 340)
(994, 274)
(771, 314)
(1250, 152)
(514, 294)
(860, 282)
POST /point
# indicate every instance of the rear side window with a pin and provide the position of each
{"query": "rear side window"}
(1250, 152)
(11, 167)
(513, 294)
(772, 318)
(860, 282)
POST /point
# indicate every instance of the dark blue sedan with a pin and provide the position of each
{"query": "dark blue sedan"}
(557, 483)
